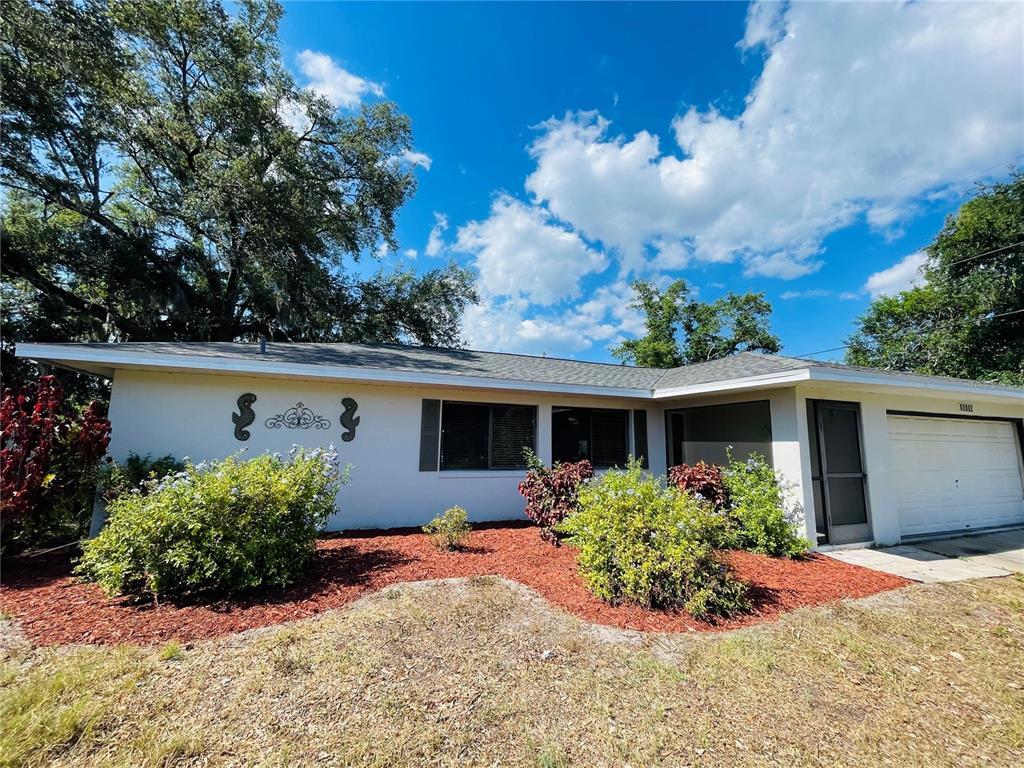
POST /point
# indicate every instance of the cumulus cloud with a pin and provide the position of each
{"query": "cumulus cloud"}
(520, 252)
(600, 322)
(410, 253)
(337, 85)
(415, 157)
(901, 276)
(851, 119)
(435, 241)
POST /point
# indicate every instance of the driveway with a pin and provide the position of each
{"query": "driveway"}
(956, 558)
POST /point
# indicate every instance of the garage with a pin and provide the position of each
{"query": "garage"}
(954, 474)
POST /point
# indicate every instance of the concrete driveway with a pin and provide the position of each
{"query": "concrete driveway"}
(956, 558)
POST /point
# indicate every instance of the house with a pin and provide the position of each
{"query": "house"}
(867, 455)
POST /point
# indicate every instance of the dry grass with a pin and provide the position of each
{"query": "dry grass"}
(482, 672)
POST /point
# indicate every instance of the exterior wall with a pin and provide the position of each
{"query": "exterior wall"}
(790, 453)
(882, 512)
(190, 415)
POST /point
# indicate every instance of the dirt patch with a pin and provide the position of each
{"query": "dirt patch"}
(54, 608)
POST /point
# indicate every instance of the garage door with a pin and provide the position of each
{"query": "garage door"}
(955, 474)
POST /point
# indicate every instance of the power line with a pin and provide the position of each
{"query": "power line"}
(986, 253)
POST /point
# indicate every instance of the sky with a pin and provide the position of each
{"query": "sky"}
(807, 150)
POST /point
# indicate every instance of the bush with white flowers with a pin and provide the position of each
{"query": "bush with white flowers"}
(224, 526)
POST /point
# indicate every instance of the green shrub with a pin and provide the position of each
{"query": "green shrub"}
(447, 530)
(136, 473)
(641, 542)
(229, 525)
(757, 509)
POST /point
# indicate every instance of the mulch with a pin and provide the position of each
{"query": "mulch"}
(54, 608)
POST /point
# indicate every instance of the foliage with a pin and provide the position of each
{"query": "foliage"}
(448, 529)
(552, 493)
(710, 330)
(966, 319)
(166, 179)
(701, 480)
(757, 510)
(229, 525)
(641, 542)
(49, 464)
(136, 473)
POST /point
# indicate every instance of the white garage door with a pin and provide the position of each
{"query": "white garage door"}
(954, 474)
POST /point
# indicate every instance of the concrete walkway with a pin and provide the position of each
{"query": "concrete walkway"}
(954, 559)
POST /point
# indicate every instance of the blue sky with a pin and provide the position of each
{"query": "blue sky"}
(808, 150)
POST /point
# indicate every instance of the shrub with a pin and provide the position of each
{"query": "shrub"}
(229, 525)
(757, 509)
(49, 464)
(448, 529)
(136, 473)
(644, 543)
(552, 493)
(702, 480)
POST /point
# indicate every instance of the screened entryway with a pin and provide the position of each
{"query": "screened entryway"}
(837, 472)
(707, 433)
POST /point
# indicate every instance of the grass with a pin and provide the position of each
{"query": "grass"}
(482, 672)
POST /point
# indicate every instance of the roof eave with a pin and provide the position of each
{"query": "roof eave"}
(110, 360)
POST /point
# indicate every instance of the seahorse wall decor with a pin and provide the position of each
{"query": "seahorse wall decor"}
(245, 416)
(348, 420)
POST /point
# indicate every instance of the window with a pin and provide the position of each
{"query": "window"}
(486, 436)
(705, 433)
(597, 434)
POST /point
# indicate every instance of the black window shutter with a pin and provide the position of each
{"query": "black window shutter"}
(610, 430)
(430, 435)
(640, 437)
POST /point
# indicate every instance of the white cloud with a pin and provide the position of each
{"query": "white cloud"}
(600, 322)
(521, 253)
(435, 241)
(382, 250)
(410, 253)
(810, 293)
(851, 119)
(414, 157)
(337, 85)
(901, 276)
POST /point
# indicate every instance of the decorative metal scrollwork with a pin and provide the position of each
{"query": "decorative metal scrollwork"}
(348, 420)
(245, 416)
(298, 417)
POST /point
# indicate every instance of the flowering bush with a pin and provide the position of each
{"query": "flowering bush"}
(135, 473)
(702, 480)
(49, 461)
(757, 509)
(448, 529)
(551, 492)
(228, 525)
(641, 542)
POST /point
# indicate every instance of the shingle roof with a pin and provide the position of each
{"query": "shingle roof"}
(395, 357)
(489, 365)
(738, 366)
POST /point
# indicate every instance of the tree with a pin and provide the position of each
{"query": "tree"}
(711, 330)
(166, 179)
(967, 319)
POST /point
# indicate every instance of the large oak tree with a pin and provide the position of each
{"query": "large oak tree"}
(165, 179)
(967, 318)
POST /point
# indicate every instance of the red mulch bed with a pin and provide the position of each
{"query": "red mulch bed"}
(54, 608)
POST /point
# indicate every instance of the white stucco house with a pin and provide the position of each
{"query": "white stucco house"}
(869, 456)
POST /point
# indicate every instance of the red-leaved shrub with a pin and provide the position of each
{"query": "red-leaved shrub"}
(49, 461)
(552, 493)
(701, 479)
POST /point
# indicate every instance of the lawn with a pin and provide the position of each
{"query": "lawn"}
(482, 671)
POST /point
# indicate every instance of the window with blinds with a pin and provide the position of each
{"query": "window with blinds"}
(597, 434)
(486, 436)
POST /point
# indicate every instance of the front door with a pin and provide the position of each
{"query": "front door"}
(837, 469)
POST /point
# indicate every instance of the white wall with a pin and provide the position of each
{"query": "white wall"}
(882, 510)
(788, 420)
(190, 415)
